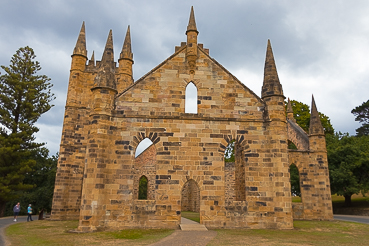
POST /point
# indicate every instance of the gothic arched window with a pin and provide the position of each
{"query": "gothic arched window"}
(191, 99)
(142, 146)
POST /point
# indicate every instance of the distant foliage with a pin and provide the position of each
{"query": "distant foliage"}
(295, 180)
(42, 179)
(348, 158)
(362, 115)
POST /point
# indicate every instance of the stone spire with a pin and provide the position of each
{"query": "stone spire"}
(80, 48)
(290, 111)
(106, 72)
(192, 23)
(271, 84)
(93, 56)
(125, 72)
(316, 127)
(127, 49)
(92, 60)
(108, 55)
(191, 51)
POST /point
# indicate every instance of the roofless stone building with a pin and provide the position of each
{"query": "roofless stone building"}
(108, 114)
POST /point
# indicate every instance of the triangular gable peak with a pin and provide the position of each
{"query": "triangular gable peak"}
(219, 93)
(162, 91)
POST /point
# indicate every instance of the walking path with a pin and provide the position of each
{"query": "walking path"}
(5, 222)
(191, 233)
(352, 218)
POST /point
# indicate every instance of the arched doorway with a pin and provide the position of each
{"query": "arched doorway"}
(190, 201)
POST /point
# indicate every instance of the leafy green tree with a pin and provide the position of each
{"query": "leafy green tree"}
(348, 158)
(42, 178)
(362, 115)
(24, 97)
(301, 113)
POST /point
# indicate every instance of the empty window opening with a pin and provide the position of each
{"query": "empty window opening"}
(191, 99)
(234, 172)
(291, 145)
(295, 181)
(142, 188)
(142, 146)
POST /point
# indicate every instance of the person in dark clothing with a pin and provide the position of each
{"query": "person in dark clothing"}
(16, 210)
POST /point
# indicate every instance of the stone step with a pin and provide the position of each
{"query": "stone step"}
(192, 227)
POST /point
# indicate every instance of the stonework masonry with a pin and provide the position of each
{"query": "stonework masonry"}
(108, 114)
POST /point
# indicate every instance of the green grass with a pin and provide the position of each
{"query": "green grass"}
(304, 233)
(191, 216)
(296, 199)
(323, 233)
(43, 232)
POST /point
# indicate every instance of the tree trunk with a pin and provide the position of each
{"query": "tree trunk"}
(2, 208)
(347, 200)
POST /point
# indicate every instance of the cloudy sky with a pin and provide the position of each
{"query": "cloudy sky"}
(320, 47)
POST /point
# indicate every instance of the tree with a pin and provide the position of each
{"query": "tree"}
(24, 97)
(42, 179)
(362, 115)
(348, 158)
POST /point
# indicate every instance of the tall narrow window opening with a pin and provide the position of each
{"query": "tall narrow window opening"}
(295, 180)
(142, 189)
(191, 99)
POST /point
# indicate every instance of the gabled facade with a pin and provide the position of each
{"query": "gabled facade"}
(108, 115)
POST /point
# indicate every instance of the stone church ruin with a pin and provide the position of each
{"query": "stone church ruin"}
(108, 114)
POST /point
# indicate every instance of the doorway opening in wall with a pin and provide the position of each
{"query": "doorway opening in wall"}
(295, 183)
(190, 201)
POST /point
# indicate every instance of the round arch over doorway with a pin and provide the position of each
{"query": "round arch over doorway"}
(190, 197)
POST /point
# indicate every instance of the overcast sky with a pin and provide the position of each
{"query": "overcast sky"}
(320, 47)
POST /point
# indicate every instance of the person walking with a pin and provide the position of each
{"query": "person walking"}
(29, 209)
(16, 211)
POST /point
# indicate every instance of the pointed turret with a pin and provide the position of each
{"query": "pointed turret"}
(192, 23)
(316, 127)
(106, 73)
(80, 48)
(290, 111)
(91, 62)
(93, 56)
(125, 61)
(271, 84)
(108, 55)
(126, 49)
(191, 52)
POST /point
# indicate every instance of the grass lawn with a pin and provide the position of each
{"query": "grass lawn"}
(44, 232)
(305, 233)
(191, 216)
